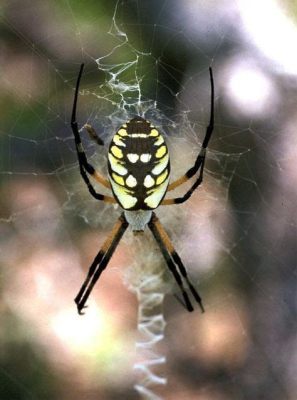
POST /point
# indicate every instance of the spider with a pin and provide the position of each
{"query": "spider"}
(138, 177)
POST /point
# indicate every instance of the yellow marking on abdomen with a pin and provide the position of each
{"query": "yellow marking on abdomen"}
(162, 177)
(162, 164)
(118, 179)
(116, 152)
(116, 165)
(153, 200)
(117, 140)
(159, 141)
(123, 196)
(154, 132)
(161, 151)
(122, 132)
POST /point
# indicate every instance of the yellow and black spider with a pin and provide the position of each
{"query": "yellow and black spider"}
(138, 176)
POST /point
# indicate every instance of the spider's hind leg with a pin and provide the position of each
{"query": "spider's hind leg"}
(100, 262)
(183, 271)
(173, 261)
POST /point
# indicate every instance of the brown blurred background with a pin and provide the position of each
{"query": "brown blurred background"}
(237, 235)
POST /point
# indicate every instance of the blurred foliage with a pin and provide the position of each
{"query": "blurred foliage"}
(24, 370)
(291, 6)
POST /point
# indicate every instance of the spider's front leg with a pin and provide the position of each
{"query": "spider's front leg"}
(200, 160)
(84, 166)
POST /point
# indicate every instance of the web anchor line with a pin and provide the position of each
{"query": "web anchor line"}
(151, 325)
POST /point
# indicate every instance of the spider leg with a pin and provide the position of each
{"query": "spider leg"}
(84, 165)
(93, 134)
(100, 262)
(183, 271)
(201, 156)
(185, 197)
(173, 261)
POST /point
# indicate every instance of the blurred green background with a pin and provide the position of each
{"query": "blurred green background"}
(237, 235)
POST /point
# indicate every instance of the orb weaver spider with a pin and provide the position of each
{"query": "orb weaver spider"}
(138, 176)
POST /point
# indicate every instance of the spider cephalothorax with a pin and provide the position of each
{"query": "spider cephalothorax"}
(138, 176)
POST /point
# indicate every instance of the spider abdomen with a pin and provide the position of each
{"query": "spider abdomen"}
(138, 165)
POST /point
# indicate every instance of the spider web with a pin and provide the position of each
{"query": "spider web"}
(236, 235)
